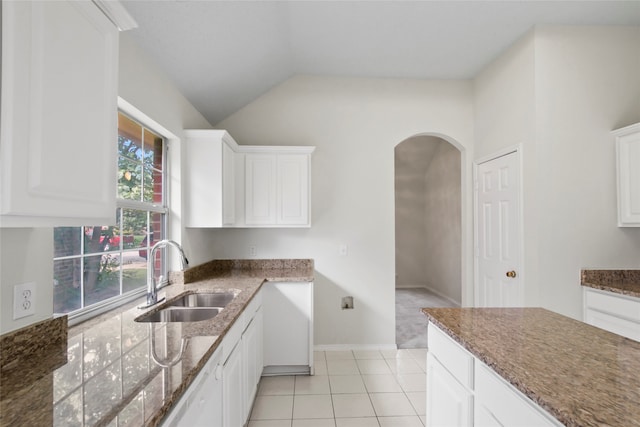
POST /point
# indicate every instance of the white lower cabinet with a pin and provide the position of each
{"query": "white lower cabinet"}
(252, 339)
(463, 391)
(233, 390)
(243, 365)
(500, 404)
(252, 359)
(275, 329)
(615, 313)
(449, 403)
(288, 328)
(201, 405)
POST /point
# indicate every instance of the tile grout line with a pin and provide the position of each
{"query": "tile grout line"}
(293, 406)
(360, 375)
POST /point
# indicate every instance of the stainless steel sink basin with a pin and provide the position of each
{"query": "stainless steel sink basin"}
(181, 314)
(215, 299)
(190, 308)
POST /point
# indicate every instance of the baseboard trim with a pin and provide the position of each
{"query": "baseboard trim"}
(285, 370)
(411, 286)
(440, 294)
(356, 347)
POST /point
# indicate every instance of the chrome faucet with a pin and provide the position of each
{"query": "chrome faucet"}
(152, 288)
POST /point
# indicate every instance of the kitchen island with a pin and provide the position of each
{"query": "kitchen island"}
(106, 374)
(612, 300)
(578, 374)
(623, 282)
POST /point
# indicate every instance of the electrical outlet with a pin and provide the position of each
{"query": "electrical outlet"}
(253, 251)
(24, 300)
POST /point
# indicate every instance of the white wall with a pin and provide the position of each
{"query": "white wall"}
(355, 125)
(27, 254)
(559, 92)
(588, 83)
(142, 84)
(148, 89)
(442, 219)
(504, 107)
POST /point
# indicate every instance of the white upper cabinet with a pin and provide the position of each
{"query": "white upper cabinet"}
(277, 186)
(231, 185)
(293, 189)
(260, 189)
(628, 179)
(209, 173)
(58, 113)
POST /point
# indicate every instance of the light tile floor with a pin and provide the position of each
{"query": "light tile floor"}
(350, 389)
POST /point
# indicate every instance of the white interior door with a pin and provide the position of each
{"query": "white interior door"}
(498, 232)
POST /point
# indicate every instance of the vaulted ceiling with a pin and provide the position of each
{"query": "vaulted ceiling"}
(224, 54)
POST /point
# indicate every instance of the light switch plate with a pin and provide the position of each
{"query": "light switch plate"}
(24, 300)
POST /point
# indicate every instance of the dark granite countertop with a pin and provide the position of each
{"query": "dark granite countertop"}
(582, 375)
(110, 377)
(625, 282)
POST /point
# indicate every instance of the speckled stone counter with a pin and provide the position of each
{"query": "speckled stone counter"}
(111, 377)
(582, 375)
(29, 357)
(626, 282)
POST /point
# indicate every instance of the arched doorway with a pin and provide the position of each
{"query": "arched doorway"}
(428, 230)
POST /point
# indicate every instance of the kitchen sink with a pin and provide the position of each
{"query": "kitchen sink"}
(215, 299)
(181, 314)
(190, 308)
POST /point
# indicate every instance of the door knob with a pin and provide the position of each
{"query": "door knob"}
(511, 274)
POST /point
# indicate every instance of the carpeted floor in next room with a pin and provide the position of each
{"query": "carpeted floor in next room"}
(411, 324)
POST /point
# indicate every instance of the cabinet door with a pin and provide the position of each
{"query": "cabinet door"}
(59, 114)
(287, 309)
(209, 170)
(611, 323)
(293, 189)
(448, 402)
(233, 397)
(615, 313)
(250, 349)
(628, 169)
(201, 405)
(499, 403)
(205, 407)
(260, 345)
(260, 189)
(482, 417)
(228, 186)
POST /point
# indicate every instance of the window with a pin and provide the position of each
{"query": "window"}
(102, 264)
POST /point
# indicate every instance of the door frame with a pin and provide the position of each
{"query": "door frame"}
(518, 149)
